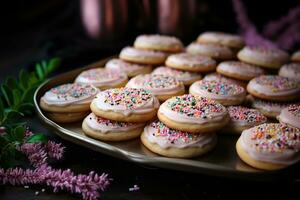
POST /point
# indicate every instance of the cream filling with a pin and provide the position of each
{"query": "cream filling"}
(163, 142)
(147, 107)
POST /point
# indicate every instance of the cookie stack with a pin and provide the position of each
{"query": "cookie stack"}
(125, 98)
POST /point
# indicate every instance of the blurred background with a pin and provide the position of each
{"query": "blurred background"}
(83, 31)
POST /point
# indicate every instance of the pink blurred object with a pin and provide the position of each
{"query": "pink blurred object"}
(175, 16)
(104, 19)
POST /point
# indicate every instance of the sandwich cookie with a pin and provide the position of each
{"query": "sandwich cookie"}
(68, 102)
(264, 57)
(274, 88)
(225, 39)
(270, 109)
(159, 43)
(291, 71)
(224, 93)
(290, 115)
(193, 114)
(128, 68)
(162, 86)
(191, 62)
(296, 56)
(214, 51)
(221, 78)
(125, 105)
(242, 118)
(187, 78)
(270, 146)
(142, 56)
(174, 143)
(102, 78)
(110, 130)
(239, 70)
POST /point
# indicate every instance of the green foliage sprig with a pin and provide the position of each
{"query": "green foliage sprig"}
(16, 102)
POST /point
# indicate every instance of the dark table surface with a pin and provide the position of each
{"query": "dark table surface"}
(154, 183)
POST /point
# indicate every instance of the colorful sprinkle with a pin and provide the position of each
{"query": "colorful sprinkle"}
(239, 113)
(275, 83)
(73, 91)
(101, 74)
(294, 110)
(220, 88)
(156, 81)
(110, 123)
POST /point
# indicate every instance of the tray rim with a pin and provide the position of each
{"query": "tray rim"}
(156, 161)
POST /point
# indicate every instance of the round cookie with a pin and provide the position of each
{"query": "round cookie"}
(221, 78)
(128, 68)
(158, 43)
(110, 130)
(290, 115)
(173, 143)
(225, 39)
(142, 56)
(270, 146)
(224, 93)
(239, 70)
(264, 57)
(102, 78)
(274, 88)
(191, 62)
(214, 51)
(67, 98)
(162, 86)
(242, 118)
(126, 105)
(66, 117)
(193, 114)
(187, 78)
(268, 108)
(296, 56)
(291, 71)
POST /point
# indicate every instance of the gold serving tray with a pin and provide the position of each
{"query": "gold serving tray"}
(222, 161)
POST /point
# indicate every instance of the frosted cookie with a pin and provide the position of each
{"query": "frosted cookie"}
(291, 71)
(214, 51)
(69, 98)
(187, 78)
(224, 93)
(162, 86)
(296, 56)
(66, 117)
(239, 70)
(290, 115)
(225, 39)
(173, 143)
(193, 114)
(125, 105)
(102, 78)
(242, 118)
(158, 43)
(274, 88)
(269, 146)
(142, 56)
(221, 78)
(191, 62)
(110, 130)
(268, 108)
(128, 68)
(264, 57)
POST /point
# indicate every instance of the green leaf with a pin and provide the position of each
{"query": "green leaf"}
(7, 94)
(13, 115)
(39, 71)
(17, 97)
(26, 108)
(19, 133)
(3, 142)
(28, 95)
(37, 138)
(1, 111)
(33, 80)
(53, 64)
(23, 78)
(11, 83)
